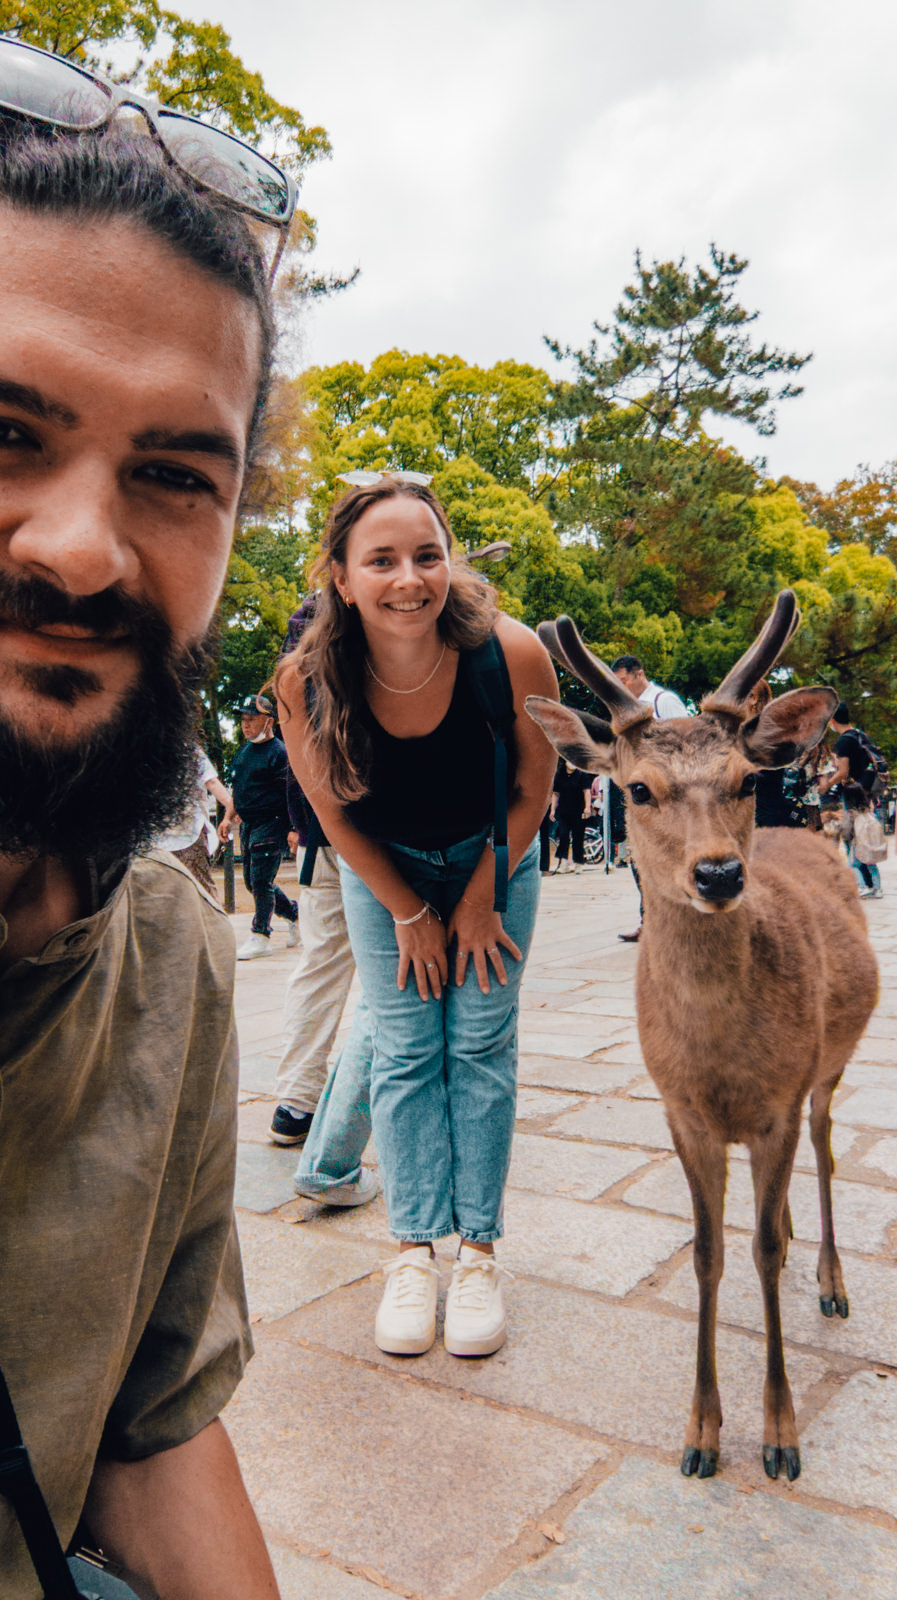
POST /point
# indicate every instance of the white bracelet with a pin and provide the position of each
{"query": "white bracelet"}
(405, 922)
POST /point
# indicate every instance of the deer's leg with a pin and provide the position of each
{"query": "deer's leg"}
(705, 1169)
(771, 1163)
(832, 1296)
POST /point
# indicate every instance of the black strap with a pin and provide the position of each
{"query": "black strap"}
(490, 680)
(314, 838)
(20, 1487)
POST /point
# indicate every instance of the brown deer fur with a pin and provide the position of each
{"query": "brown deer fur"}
(746, 1004)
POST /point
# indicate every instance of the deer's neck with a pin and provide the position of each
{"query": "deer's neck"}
(689, 947)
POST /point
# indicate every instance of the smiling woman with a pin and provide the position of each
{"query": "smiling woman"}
(390, 740)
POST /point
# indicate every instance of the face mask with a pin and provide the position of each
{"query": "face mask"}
(261, 737)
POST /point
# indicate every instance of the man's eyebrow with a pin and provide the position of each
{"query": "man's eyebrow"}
(30, 400)
(203, 442)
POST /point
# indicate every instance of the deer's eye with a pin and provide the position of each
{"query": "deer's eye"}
(748, 785)
(640, 794)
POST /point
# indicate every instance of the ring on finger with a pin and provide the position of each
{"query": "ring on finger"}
(430, 965)
(493, 950)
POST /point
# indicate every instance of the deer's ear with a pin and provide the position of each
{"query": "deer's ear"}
(585, 741)
(787, 728)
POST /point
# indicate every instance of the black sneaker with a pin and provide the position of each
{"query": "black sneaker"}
(289, 1126)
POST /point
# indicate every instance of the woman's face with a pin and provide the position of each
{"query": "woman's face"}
(397, 569)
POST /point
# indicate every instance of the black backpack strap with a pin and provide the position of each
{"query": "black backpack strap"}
(488, 675)
(20, 1487)
(314, 838)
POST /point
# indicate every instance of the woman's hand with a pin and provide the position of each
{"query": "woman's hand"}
(479, 933)
(422, 947)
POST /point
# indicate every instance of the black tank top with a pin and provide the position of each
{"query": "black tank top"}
(431, 792)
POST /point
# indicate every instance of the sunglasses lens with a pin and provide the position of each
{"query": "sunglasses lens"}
(226, 165)
(48, 89)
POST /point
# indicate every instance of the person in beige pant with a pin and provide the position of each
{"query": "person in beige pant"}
(315, 996)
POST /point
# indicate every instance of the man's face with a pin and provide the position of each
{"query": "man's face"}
(635, 682)
(251, 726)
(127, 380)
(127, 383)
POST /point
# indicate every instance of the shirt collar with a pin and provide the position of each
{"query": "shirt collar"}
(78, 940)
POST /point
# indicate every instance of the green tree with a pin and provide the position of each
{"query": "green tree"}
(678, 348)
(858, 510)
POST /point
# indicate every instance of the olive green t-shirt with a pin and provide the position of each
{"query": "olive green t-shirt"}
(123, 1324)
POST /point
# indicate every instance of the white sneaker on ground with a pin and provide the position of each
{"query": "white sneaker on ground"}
(258, 944)
(406, 1316)
(866, 894)
(359, 1193)
(474, 1309)
(292, 935)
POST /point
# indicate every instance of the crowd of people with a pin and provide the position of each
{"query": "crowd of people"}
(136, 331)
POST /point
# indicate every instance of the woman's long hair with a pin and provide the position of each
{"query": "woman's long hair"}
(332, 653)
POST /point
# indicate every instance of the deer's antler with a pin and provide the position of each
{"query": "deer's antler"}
(759, 659)
(563, 640)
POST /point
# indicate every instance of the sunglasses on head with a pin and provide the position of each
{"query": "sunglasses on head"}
(366, 480)
(47, 89)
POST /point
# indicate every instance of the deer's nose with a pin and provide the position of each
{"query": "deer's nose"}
(719, 880)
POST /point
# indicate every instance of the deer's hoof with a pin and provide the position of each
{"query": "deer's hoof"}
(826, 1305)
(775, 1457)
(841, 1306)
(700, 1463)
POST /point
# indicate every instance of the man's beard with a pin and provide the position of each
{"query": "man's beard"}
(111, 791)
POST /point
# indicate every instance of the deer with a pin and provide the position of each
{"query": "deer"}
(755, 977)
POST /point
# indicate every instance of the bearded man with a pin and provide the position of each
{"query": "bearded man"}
(135, 347)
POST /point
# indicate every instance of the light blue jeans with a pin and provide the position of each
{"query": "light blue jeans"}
(870, 867)
(341, 1127)
(444, 1072)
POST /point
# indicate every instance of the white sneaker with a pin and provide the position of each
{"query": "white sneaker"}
(292, 935)
(474, 1309)
(867, 894)
(359, 1193)
(406, 1316)
(258, 944)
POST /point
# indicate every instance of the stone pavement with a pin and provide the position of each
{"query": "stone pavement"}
(551, 1468)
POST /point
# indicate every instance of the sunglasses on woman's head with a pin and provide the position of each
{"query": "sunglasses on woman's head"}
(366, 480)
(56, 93)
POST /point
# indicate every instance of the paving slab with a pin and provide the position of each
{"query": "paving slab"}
(257, 1071)
(301, 1577)
(558, 1166)
(264, 1176)
(872, 1108)
(617, 1121)
(536, 1104)
(881, 1157)
(869, 1332)
(647, 1534)
(864, 1214)
(588, 1077)
(333, 1449)
(285, 1267)
(854, 1444)
(597, 1247)
(627, 1373)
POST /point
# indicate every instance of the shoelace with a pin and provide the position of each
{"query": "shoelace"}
(472, 1282)
(409, 1282)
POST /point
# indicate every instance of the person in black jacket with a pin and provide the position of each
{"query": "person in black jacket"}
(259, 804)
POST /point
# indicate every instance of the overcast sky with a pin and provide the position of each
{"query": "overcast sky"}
(496, 163)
